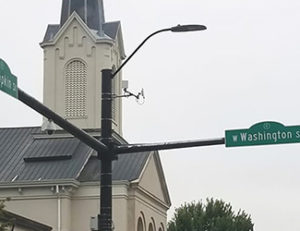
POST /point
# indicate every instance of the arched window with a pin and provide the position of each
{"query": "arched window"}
(153, 224)
(140, 226)
(75, 89)
(161, 228)
(150, 227)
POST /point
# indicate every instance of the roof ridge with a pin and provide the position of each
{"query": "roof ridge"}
(29, 127)
(117, 21)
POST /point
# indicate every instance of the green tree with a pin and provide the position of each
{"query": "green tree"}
(214, 215)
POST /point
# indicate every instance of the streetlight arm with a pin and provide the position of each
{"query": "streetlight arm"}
(131, 148)
(178, 28)
(136, 50)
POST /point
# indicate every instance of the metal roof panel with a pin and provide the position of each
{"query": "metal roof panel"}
(19, 143)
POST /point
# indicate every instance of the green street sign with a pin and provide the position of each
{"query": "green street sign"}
(263, 133)
(8, 82)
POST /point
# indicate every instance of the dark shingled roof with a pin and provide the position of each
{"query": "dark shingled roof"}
(51, 32)
(127, 167)
(110, 29)
(90, 11)
(92, 14)
(26, 154)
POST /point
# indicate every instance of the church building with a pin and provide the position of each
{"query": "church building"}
(54, 180)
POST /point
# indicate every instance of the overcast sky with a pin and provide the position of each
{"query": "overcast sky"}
(243, 70)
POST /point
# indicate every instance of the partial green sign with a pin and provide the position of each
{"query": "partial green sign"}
(263, 133)
(8, 82)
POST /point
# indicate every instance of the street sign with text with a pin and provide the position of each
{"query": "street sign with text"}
(8, 82)
(263, 133)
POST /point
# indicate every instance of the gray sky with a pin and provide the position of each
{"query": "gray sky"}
(244, 69)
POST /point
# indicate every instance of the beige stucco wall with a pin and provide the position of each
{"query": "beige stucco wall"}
(76, 42)
(40, 201)
(77, 205)
(146, 207)
(151, 181)
(87, 197)
(149, 199)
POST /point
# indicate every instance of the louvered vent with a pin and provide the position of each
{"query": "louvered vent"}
(75, 92)
(51, 149)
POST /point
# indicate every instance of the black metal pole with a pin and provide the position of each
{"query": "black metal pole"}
(106, 157)
(131, 148)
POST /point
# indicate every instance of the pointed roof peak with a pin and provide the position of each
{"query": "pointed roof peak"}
(90, 11)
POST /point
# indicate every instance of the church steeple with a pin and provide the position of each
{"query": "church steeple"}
(90, 11)
(75, 52)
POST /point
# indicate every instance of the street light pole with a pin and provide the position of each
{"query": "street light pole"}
(106, 157)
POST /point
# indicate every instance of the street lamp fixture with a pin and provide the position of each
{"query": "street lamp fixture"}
(187, 28)
(178, 28)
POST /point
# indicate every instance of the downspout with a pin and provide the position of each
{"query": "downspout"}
(58, 209)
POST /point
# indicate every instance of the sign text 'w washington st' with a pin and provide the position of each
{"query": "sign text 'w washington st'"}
(263, 133)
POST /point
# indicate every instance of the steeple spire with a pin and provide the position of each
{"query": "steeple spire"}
(90, 11)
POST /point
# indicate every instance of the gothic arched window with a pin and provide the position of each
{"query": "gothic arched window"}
(150, 227)
(140, 226)
(161, 227)
(75, 89)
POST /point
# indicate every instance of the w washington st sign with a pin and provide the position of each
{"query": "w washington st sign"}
(263, 133)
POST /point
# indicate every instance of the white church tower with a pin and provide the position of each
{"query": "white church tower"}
(75, 52)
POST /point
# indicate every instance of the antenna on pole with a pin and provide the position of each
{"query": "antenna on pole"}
(140, 96)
